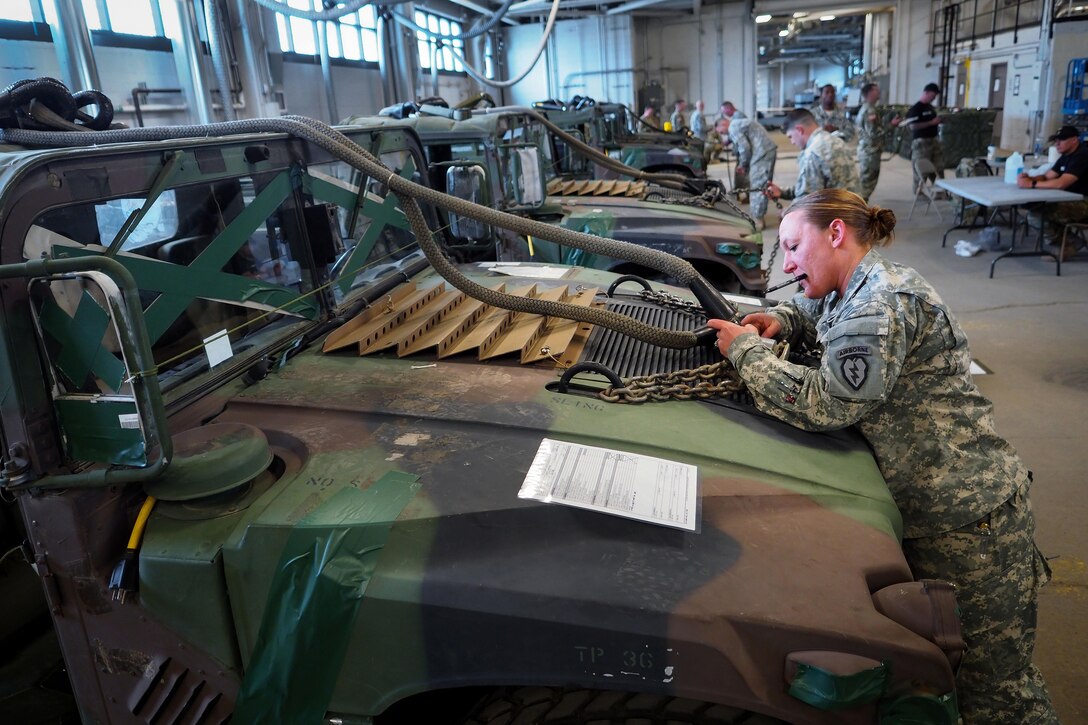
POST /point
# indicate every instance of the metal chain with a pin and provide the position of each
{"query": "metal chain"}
(675, 302)
(716, 380)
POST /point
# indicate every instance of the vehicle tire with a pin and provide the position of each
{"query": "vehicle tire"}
(555, 706)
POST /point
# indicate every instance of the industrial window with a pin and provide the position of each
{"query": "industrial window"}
(131, 17)
(436, 49)
(353, 37)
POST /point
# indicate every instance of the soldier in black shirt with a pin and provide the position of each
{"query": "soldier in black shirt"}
(923, 121)
(1070, 172)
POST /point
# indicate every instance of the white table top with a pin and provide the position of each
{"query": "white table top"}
(992, 191)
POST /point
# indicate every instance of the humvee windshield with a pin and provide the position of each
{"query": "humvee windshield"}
(252, 257)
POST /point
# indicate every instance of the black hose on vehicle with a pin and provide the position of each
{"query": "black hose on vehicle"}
(22, 101)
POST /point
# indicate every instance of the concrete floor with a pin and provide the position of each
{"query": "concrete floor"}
(1029, 328)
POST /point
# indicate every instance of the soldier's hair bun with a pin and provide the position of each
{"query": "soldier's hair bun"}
(881, 225)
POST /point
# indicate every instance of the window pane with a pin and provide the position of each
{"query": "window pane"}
(444, 26)
(90, 11)
(370, 46)
(366, 15)
(351, 19)
(432, 23)
(421, 19)
(302, 32)
(351, 44)
(171, 25)
(131, 16)
(281, 25)
(424, 54)
(447, 59)
(332, 34)
(16, 10)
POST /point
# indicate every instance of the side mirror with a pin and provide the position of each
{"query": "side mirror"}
(524, 176)
(467, 182)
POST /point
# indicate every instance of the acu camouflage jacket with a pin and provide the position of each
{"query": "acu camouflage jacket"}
(895, 364)
(836, 117)
(824, 163)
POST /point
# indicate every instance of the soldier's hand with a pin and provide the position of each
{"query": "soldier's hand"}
(729, 331)
(765, 325)
(772, 190)
(742, 170)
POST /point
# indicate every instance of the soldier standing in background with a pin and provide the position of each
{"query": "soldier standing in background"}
(895, 365)
(697, 123)
(728, 110)
(831, 116)
(924, 122)
(677, 117)
(824, 163)
(649, 115)
(872, 132)
(756, 156)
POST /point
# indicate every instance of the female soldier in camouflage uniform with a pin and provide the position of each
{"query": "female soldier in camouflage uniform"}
(895, 364)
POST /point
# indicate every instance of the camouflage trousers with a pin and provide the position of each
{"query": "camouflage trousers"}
(1058, 214)
(927, 148)
(868, 169)
(997, 571)
(759, 176)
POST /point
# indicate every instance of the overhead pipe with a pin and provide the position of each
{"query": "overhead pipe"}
(187, 59)
(72, 42)
(321, 30)
(213, 24)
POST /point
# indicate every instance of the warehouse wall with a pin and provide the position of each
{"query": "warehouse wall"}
(710, 56)
(586, 57)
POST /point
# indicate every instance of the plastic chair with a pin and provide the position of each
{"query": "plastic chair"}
(926, 189)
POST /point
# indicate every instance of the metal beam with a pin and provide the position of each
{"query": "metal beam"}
(476, 7)
(539, 7)
(635, 5)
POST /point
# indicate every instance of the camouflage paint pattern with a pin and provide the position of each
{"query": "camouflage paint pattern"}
(837, 117)
(824, 163)
(472, 586)
(895, 364)
(757, 153)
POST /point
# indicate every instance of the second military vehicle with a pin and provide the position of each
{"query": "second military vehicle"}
(502, 157)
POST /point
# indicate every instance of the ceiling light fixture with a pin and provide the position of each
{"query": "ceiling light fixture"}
(825, 18)
(763, 18)
(800, 15)
(783, 33)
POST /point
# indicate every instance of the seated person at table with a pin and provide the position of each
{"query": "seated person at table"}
(1070, 172)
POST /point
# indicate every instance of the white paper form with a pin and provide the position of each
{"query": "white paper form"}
(614, 482)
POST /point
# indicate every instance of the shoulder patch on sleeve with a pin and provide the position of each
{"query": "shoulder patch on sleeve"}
(854, 359)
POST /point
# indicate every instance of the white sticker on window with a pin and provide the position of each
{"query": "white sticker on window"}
(217, 347)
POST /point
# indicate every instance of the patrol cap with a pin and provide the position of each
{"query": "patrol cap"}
(1064, 133)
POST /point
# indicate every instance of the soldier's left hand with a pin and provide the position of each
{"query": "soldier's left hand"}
(729, 331)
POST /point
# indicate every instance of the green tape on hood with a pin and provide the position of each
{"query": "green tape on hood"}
(323, 573)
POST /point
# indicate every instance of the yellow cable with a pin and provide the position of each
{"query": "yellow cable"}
(530, 238)
(141, 523)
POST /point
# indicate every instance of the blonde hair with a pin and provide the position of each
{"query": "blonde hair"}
(872, 225)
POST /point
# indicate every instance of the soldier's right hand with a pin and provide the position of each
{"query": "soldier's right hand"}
(768, 325)
(772, 190)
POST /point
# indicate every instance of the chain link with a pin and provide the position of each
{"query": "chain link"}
(671, 301)
(715, 380)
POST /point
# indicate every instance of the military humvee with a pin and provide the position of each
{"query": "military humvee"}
(503, 157)
(613, 129)
(267, 462)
